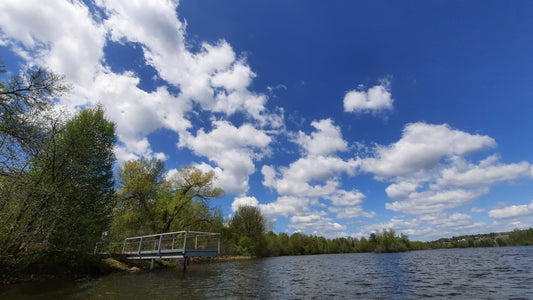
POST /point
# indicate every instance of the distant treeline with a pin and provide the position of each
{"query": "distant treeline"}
(514, 238)
(301, 244)
(246, 235)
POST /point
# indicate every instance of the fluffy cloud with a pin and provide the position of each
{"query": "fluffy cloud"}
(232, 149)
(429, 170)
(435, 201)
(243, 201)
(448, 221)
(139, 112)
(60, 34)
(319, 164)
(422, 146)
(487, 172)
(351, 212)
(376, 98)
(400, 225)
(347, 198)
(298, 177)
(512, 211)
(326, 140)
(286, 206)
(214, 77)
(310, 181)
(318, 224)
(347, 205)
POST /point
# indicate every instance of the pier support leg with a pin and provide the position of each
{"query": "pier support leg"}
(152, 264)
(185, 262)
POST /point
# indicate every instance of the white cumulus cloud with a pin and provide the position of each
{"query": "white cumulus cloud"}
(243, 201)
(312, 182)
(512, 211)
(327, 139)
(318, 224)
(232, 149)
(422, 146)
(430, 172)
(376, 98)
(487, 171)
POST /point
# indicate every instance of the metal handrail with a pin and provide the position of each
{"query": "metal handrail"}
(169, 233)
(160, 238)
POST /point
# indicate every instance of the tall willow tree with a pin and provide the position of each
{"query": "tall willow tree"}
(152, 201)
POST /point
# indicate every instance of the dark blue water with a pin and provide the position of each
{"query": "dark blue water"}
(482, 273)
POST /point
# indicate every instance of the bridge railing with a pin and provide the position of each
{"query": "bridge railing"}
(179, 242)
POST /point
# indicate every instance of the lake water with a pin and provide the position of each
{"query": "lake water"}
(482, 273)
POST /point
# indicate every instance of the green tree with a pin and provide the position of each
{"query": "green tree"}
(388, 241)
(284, 243)
(25, 101)
(248, 227)
(139, 184)
(273, 244)
(297, 243)
(65, 195)
(84, 161)
(184, 200)
(151, 201)
(521, 237)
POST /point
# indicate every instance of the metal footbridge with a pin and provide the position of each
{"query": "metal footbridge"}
(180, 244)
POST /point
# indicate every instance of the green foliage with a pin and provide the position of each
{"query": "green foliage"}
(83, 173)
(248, 228)
(56, 180)
(140, 182)
(24, 133)
(151, 201)
(515, 238)
(387, 241)
(521, 237)
(271, 244)
(62, 200)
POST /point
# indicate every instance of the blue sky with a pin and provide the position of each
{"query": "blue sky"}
(335, 118)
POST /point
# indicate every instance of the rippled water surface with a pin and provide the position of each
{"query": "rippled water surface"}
(482, 273)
